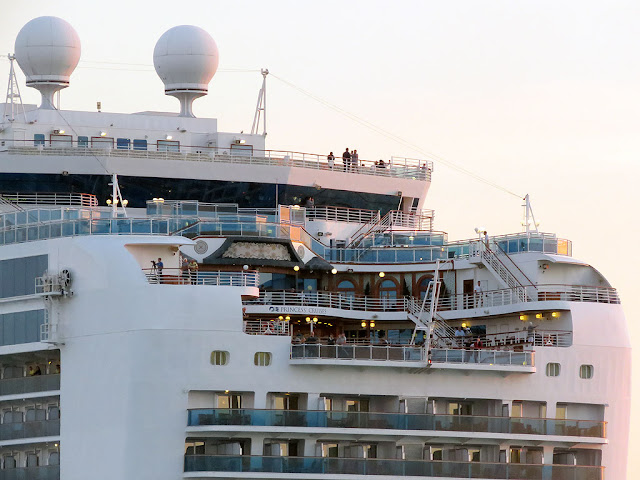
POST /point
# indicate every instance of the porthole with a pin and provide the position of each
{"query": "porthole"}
(219, 357)
(262, 359)
(586, 371)
(553, 369)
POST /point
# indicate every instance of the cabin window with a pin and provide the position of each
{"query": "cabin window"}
(168, 146)
(262, 359)
(347, 288)
(219, 357)
(38, 139)
(388, 289)
(553, 369)
(586, 371)
(229, 400)
(241, 150)
(561, 411)
(83, 142)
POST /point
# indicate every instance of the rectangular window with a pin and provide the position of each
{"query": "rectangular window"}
(328, 404)
(38, 139)
(561, 411)
(458, 408)
(286, 402)
(105, 143)
(329, 449)
(516, 409)
(515, 455)
(360, 405)
(168, 146)
(61, 141)
(139, 144)
(83, 142)
(240, 150)
(123, 143)
(229, 400)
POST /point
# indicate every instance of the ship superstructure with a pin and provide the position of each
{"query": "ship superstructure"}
(180, 302)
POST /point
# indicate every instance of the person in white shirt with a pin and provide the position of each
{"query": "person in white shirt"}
(477, 290)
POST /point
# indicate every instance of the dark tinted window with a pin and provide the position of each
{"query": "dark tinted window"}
(18, 275)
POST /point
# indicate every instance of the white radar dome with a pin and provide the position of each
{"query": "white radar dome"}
(47, 50)
(186, 59)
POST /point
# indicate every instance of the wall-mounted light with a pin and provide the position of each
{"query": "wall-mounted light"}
(523, 317)
(168, 137)
(287, 318)
(308, 319)
(372, 324)
(334, 270)
(296, 268)
(555, 314)
(315, 319)
(103, 134)
(538, 315)
(363, 324)
(108, 201)
(280, 317)
(125, 202)
(381, 274)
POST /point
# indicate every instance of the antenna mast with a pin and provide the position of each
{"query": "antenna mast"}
(528, 217)
(14, 100)
(261, 107)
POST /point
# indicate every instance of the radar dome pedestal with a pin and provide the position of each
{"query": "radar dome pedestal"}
(47, 50)
(186, 59)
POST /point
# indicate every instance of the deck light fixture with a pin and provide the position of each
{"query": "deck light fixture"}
(168, 137)
(103, 134)
(334, 270)
(381, 274)
(523, 317)
(108, 201)
(287, 318)
(315, 319)
(538, 315)
(372, 324)
(296, 268)
(555, 314)
(280, 317)
(363, 324)
(125, 202)
(308, 319)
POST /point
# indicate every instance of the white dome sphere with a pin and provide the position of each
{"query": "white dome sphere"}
(186, 59)
(47, 50)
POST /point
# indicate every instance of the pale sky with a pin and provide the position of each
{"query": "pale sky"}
(541, 97)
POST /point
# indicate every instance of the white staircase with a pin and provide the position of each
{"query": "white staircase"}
(481, 253)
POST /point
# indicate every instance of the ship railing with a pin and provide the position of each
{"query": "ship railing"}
(341, 214)
(41, 472)
(359, 352)
(177, 276)
(577, 293)
(35, 383)
(267, 327)
(74, 199)
(372, 467)
(413, 169)
(518, 338)
(395, 421)
(482, 356)
(339, 301)
(30, 429)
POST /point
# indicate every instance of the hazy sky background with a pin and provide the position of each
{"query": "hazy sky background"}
(539, 96)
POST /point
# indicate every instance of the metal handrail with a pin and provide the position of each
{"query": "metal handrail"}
(482, 356)
(330, 300)
(359, 352)
(402, 168)
(53, 198)
(341, 214)
(267, 327)
(177, 276)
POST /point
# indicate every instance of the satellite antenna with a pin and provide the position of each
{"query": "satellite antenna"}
(186, 59)
(47, 50)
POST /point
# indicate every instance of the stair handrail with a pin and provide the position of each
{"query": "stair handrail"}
(515, 265)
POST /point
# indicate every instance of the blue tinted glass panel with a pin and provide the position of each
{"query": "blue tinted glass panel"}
(21, 327)
(38, 139)
(83, 142)
(139, 144)
(18, 275)
(122, 143)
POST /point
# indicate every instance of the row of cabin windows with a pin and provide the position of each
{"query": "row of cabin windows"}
(221, 357)
(32, 460)
(585, 372)
(31, 414)
(103, 142)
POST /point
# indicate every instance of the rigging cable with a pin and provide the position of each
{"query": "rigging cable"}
(396, 138)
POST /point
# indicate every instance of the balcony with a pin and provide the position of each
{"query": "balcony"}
(411, 169)
(396, 421)
(19, 430)
(44, 472)
(484, 359)
(400, 468)
(175, 276)
(38, 383)
(359, 355)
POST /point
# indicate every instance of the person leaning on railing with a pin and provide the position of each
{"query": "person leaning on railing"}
(193, 271)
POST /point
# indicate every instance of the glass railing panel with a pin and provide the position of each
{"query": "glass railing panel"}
(45, 472)
(38, 383)
(399, 468)
(44, 428)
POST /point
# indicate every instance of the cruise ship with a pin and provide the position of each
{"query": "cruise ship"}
(180, 302)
